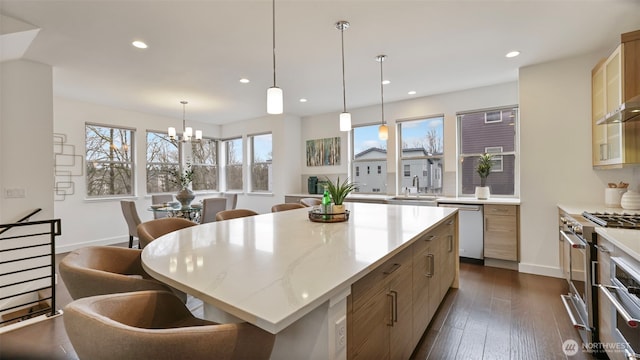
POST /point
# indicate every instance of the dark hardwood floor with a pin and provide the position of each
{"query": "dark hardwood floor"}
(495, 314)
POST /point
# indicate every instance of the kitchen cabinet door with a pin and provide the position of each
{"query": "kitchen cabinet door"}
(423, 283)
(605, 308)
(501, 232)
(401, 294)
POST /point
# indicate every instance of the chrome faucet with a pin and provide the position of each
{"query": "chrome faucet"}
(416, 183)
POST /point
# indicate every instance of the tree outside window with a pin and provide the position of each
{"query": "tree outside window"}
(233, 163)
(204, 163)
(422, 153)
(261, 162)
(163, 162)
(488, 131)
(109, 160)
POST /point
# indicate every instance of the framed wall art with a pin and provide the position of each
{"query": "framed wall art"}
(323, 152)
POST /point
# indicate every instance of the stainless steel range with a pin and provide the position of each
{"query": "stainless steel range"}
(578, 255)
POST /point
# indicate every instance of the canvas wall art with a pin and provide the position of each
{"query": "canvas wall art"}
(323, 152)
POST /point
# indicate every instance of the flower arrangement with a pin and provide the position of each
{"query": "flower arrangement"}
(185, 178)
(339, 191)
(484, 168)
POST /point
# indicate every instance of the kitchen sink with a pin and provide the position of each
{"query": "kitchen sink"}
(425, 200)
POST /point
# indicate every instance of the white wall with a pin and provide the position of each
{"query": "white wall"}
(555, 118)
(26, 123)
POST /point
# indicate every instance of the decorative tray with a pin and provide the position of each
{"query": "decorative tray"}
(319, 216)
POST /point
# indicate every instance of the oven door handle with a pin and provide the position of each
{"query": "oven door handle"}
(573, 244)
(567, 307)
(631, 322)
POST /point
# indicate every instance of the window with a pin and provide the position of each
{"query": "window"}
(233, 163)
(477, 135)
(422, 153)
(261, 162)
(204, 163)
(369, 151)
(109, 160)
(163, 162)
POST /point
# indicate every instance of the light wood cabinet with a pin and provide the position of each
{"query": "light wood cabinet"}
(390, 308)
(379, 322)
(501, 224)
(614, 82)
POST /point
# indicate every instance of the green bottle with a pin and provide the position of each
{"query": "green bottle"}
(326, 201)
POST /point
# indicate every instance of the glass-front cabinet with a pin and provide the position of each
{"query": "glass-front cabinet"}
(615, 141)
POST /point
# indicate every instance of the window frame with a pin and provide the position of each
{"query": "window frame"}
(225, 154)
(215, 164)
(131, 163)
(252, 163)
(499, 156)
(169, 172)
(354, 167)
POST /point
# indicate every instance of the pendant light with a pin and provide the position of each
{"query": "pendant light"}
(383, 131)
(345, 117)
(274, 94)
(187, 134)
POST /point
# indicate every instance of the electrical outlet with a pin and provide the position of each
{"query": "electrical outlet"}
(14, 193)
(341, 333)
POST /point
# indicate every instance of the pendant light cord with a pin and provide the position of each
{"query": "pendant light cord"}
(273, 14)
(344, 94)
(382, 87)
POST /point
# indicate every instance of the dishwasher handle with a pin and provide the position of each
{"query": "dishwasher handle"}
(462, 207)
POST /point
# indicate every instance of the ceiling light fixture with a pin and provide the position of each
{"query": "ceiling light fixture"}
(274, 93)
(412, 92)
(512, 54)
(244, 80)
(187, 134)
(303, 100)
(383, 130)
(139, 44)
(345, 117)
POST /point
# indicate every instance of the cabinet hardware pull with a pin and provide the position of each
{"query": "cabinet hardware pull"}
(593, 273)
(576, 324)
(390, 297)
(432, 237)
(429, 265)
(633, 323)
(450, 243)
(573, 244)
(394, 296)
(393, 268)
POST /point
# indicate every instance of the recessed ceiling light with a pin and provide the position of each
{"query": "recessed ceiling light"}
(511, 54)
(139, 44)
(245, 81)
(412, 92)
(386, 82)
(303, 100)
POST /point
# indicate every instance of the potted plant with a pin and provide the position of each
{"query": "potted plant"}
(483, 169)
(339, 191)
(185, 196)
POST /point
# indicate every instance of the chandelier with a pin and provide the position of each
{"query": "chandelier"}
(187, 132)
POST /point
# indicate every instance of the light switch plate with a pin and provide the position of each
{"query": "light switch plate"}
(14, 193)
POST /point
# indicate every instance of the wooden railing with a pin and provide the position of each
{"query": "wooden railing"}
(27, 266)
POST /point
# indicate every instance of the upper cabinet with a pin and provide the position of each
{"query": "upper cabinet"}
(615, 106)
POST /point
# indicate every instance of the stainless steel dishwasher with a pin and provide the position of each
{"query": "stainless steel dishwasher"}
(471, 229)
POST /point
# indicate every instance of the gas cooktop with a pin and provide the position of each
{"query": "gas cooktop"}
(614, 220)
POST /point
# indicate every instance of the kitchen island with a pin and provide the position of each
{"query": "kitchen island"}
(290, 276)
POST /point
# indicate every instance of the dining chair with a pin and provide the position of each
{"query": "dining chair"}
(233, 214)
(232, 200)
(156, 325)
(210, 207)
(99, 270)
(160, 199)
(310, 202)
(131, 217)
(286, 206)
(153, 229)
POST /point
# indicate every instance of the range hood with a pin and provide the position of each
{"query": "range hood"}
(628, 111)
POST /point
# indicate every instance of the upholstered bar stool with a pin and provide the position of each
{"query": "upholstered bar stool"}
(286, 206)
(156, 325)
(233, 214)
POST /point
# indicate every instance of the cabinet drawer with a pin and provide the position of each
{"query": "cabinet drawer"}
(377, 279)
(506, 210)
(435, 235)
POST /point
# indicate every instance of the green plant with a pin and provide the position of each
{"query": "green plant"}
(340, 190)
(484, 168)
(185, 178)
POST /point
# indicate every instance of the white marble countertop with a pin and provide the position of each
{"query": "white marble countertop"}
(440, 199)
(627, 240)
(272, 269)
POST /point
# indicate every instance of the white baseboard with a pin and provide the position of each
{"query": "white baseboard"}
(540, 270)
(98, 242)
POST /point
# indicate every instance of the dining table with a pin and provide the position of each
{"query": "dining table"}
(285, 273)
(191, 212)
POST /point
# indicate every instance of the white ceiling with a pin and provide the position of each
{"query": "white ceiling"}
(198, 50)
